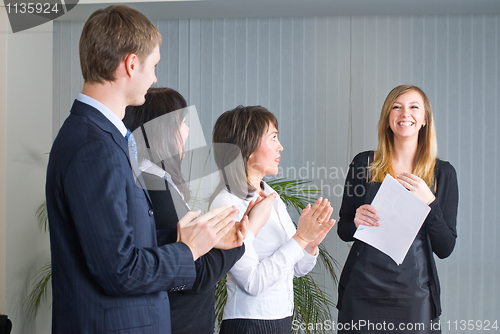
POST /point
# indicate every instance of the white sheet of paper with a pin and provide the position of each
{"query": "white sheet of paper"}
(401, 214)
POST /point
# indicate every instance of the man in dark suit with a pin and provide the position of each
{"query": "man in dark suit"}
(108, 274)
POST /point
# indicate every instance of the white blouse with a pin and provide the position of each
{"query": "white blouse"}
(260, 284)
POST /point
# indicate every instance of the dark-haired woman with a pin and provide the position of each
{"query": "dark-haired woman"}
(160, 152)
(373, 288)
(260, 285)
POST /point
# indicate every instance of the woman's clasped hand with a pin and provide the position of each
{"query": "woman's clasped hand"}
(417, 187)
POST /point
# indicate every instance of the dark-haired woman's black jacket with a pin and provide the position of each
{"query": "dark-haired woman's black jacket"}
(192, 311)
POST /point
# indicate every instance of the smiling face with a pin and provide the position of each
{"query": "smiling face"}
(266, 158)
(407, 115)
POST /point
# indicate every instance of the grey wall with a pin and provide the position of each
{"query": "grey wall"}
(27, 130)
(326, 78)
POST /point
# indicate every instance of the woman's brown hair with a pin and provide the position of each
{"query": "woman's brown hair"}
(163, 136)
(242, 130)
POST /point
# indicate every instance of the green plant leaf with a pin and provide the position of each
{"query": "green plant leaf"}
(312, 304)
(220, 300)
(42, 217)
(292, 192)
(41, 279)
(40, 283)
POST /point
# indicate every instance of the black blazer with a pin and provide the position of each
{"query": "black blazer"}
(108, 273)
(192, 310)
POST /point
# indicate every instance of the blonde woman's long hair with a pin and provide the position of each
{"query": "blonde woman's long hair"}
(425, 157)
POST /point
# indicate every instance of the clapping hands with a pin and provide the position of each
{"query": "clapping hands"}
(314, 225)
(203, 233)
(259, 210)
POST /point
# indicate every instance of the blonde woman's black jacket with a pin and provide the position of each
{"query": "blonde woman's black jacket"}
(440, 224)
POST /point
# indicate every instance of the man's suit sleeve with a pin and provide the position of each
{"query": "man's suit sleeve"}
(114, 228)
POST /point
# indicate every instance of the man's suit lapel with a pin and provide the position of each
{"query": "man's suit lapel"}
(138, 177)
(94, 115)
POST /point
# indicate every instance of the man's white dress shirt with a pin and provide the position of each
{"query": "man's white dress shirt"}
(111, 116)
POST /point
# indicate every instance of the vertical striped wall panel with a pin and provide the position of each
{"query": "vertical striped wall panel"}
(326, 78)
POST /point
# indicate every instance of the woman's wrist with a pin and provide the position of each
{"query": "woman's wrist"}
(254, 229)
(301, 240)
(311, 249)
(431, 200)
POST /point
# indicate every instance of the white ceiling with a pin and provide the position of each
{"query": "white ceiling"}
(283, 8)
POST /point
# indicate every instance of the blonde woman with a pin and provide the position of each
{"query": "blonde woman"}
(373, 289)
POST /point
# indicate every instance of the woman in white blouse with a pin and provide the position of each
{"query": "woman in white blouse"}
(260, 284)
